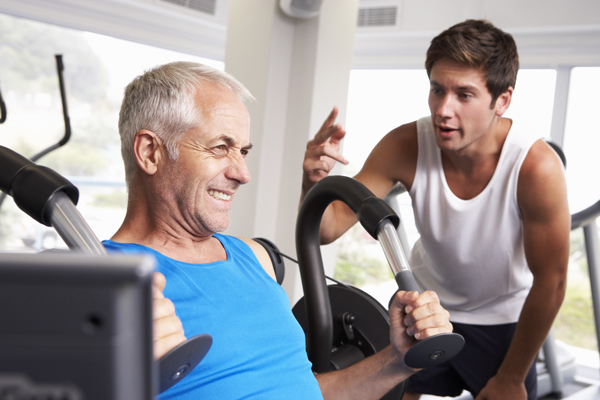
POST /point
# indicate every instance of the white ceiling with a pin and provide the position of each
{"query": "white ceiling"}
(548, 32)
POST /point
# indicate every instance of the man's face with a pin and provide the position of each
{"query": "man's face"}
(211, 165)
(460, 104)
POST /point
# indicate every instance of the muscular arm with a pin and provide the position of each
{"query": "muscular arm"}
(393, 160)
(542, 197)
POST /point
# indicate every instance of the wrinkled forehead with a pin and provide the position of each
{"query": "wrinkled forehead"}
(223, 114)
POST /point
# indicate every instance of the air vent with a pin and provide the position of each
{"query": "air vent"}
(377, 16)
(205, 6)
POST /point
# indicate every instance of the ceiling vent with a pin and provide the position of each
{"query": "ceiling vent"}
(377, 17)
(204, 6)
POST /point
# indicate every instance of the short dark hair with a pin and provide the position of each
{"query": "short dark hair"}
(478, 44)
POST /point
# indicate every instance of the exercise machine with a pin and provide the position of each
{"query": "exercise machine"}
(344, 325)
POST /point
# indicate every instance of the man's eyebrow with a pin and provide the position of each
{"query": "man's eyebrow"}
(462, 88)
(233, 142)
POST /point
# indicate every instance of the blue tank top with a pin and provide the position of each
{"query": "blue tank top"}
(258, 349)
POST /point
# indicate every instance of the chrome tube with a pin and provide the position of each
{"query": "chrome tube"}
(390, 242)
(387, 235)
(71, 226)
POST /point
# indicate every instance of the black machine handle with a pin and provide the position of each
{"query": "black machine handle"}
(373, 214)
(31, 185)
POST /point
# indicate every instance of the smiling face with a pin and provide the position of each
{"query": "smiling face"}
(211, 164)
(461, 106)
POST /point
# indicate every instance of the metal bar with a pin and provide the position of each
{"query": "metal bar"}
(590, 233)
(551, 360)
(71, 226)
(392, 248)
(559, 110)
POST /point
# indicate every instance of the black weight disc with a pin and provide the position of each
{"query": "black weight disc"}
(181, 360)
(434, 350)
(371, 325)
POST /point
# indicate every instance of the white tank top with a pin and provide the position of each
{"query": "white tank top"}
(471, 251)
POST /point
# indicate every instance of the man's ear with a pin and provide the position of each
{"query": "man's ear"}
(503, 101)
(148, 150)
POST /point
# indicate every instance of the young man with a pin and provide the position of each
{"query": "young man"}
(185, 136)
(490, 204)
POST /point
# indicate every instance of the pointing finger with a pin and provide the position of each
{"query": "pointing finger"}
(330, 119)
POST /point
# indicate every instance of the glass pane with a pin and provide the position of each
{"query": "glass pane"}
(582, 140)
(379, 101)
(575, 322)
(96, 70)
(533, 100)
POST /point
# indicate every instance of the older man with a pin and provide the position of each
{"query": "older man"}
(185, 136)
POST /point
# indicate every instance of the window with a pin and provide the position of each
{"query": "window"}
(533, 100)
(96, 70)
(575, 322)
(582, 138)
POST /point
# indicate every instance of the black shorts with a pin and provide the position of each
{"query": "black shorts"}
(478, 361)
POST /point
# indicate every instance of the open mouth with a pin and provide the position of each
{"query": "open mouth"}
(445, 129)
(219, 195)
(446, 132)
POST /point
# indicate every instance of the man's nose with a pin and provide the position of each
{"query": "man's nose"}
(445, 106)
(238, 170)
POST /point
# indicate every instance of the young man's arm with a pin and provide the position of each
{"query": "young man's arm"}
(393, 160)
(542, 197)
(412, 316)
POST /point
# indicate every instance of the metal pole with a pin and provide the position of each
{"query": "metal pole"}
(71, 226)
(590, 233)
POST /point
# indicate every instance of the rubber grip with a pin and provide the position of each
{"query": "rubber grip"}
(406, 281)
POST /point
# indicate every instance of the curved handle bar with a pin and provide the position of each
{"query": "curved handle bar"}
(32, 186)
(380, 221)
(585, 216)
(370, 212)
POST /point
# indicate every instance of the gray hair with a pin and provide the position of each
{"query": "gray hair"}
(162, 101)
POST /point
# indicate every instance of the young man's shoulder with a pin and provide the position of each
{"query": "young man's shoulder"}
(542, 176)
(541, 162)
(394, 159)
(402, 139)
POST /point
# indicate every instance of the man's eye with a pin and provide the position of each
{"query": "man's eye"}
(219, 150)
(244, 152)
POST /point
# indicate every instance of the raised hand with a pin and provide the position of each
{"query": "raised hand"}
(322, 152)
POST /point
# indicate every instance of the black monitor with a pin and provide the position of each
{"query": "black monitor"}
(75, 326)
